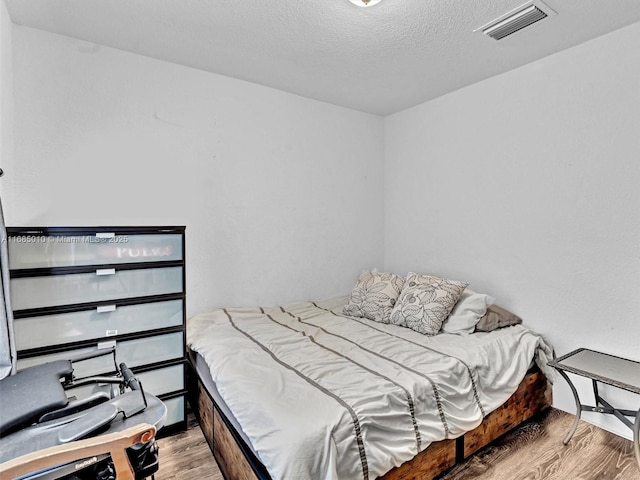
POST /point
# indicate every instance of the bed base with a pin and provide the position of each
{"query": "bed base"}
(238, 462)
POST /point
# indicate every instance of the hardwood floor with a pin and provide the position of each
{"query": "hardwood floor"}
(535, 452)
(186, 455)
(532, 452)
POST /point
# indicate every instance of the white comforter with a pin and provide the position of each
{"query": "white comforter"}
(325, 396)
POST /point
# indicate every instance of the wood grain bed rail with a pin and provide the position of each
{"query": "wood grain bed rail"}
(237, 461)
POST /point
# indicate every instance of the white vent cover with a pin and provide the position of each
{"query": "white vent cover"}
(517, 19)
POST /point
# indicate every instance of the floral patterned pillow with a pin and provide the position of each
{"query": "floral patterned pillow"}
(425, 302)
(374, 296)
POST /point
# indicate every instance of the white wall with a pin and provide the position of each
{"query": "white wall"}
(6, 91)
(281, 195)
(527, 186)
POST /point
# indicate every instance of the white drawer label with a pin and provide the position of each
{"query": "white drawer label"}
(106, 308)
(106, 271)
(103, 345)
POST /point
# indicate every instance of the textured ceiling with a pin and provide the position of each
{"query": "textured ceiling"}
(380, 59)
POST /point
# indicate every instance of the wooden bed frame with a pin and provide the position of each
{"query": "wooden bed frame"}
(238, 462)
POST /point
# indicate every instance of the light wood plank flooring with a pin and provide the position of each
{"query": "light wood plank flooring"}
(531, 452)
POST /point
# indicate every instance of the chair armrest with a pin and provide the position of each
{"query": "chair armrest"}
(113, 443)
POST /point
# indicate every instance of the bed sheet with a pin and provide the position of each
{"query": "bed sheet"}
(321, 395)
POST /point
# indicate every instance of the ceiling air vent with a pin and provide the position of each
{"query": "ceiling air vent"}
(516, 20)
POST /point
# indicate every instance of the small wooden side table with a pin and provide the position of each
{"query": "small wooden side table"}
(607, 369)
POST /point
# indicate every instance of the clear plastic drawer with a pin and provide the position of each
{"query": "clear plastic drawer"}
(157, 382)
(104, 321)
(102, 285)
(175, 410)
(163, 380)
(135, 353)
(42, 251)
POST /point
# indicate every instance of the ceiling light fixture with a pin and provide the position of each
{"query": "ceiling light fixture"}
(365, 3)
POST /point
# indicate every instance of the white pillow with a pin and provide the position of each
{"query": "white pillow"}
(468, 311)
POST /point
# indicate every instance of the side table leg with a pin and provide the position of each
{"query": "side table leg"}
(574, 427)
(636, 437)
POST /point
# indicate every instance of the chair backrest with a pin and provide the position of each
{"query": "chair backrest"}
(115, 444)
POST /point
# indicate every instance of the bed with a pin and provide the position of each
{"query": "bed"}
(304, 391)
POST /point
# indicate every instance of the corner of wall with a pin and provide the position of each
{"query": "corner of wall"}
(6, 98)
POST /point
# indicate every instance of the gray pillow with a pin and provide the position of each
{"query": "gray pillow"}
(497, 317)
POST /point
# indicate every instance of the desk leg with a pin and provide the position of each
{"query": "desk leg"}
(574, 427)
(636, 437)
